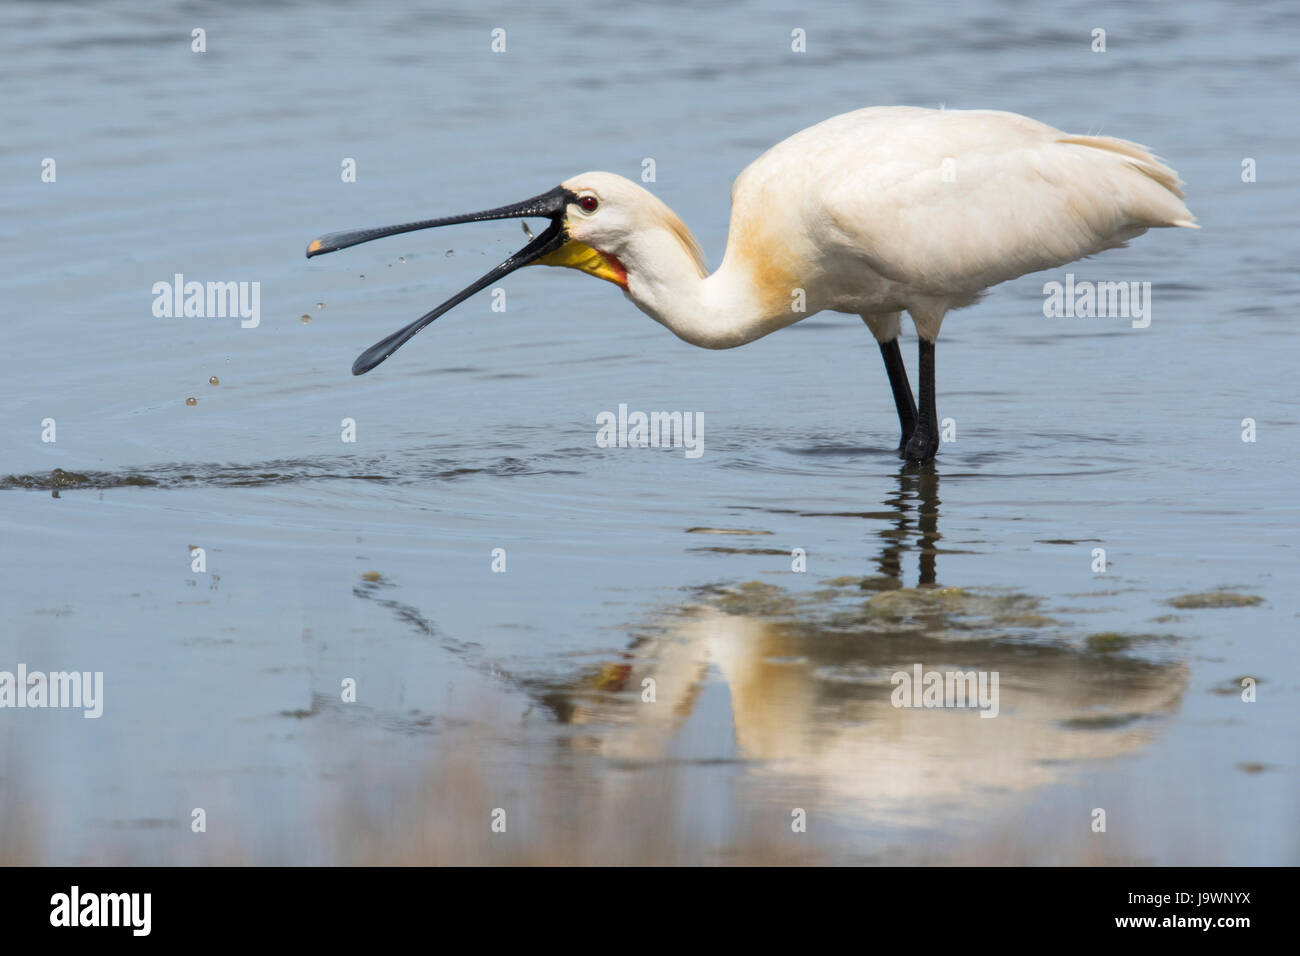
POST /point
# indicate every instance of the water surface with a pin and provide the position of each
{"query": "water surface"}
(373, 560)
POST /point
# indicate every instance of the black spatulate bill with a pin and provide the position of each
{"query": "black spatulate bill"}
(550, 204)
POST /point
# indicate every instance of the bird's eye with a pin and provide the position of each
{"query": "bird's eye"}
(588, 203)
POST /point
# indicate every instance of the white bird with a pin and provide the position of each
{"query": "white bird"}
(871, 213)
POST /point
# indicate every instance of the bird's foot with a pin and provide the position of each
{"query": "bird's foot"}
(921, 447)
(908, 425)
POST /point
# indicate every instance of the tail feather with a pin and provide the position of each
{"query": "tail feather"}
(1144, 161)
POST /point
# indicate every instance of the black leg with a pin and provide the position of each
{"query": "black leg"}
(925, 440)
(902, 391)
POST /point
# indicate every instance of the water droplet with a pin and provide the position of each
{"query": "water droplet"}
(320, 305)
(191, 401)
(401, 258)
(363, 275)
(305, 318)
(214, 381)
(450, 253)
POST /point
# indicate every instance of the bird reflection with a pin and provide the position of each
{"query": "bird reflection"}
(915, 503)
(808, 685)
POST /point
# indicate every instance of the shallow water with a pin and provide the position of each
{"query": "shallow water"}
(372, 560)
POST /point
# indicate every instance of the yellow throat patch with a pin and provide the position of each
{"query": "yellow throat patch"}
(578, 255)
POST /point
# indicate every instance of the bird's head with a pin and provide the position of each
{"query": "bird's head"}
(600, 224)
(612, 225)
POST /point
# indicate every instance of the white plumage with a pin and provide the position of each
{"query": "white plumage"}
(887, 209)
(880, 211)
(875, 212)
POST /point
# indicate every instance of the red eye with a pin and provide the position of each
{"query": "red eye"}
(588, 203)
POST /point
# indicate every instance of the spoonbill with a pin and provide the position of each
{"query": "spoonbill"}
(871, 212)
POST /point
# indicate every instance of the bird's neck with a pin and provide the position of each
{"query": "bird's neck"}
(738, 303)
